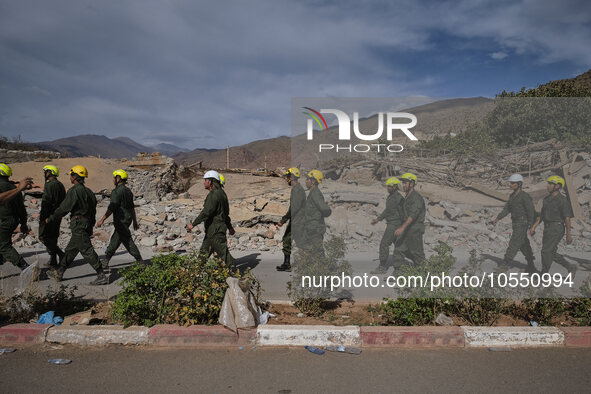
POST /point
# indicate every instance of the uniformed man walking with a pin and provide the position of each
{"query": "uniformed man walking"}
(295, 216)
(410, 234)
(556, 214)
(12, 213)
(54, 193)
(215, 215)
(395, 216)
(123, 211)
(315, 210)
(523, 214)
(80, 202)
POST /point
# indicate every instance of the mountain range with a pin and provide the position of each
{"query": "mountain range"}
(101, 146)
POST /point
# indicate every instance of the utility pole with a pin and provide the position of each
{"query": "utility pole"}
(228, 157)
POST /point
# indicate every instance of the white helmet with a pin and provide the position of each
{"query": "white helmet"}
(515, 178)
(211, 174)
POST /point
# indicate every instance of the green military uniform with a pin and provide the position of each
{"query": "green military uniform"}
(315, 210)
(54, 193)
(122, 207)
(395, 216)
(410, 243)
(80, 202)
(296, 217)
(555, 210)
(215, 215)
(523, 214)
(12, 214)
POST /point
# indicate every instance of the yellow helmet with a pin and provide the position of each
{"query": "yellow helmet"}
(120, 173)
(5, 170)
(293, 172)
(222, 180)
(409, 177)
(555, 179)
(392, 181)
(80, 171)
(316, 174)
(53, 169)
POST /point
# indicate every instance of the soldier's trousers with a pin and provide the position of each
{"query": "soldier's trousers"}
(122, 235)
(80, 243)
(292, 233)
(553, 233)
(7, 251)
(387, 239)
(48, 234)
(410, 245)
(314, 243)
(519, 242)
(217, 243)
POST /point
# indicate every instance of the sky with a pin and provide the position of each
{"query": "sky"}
(202, 74)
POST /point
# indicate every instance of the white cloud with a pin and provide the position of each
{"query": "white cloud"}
(212, 74)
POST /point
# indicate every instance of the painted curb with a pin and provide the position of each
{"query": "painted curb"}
(196, 336)
(577, 336)
(98, 335)
(24, 333)
(288, 335)
(380, 336)
(512, 336)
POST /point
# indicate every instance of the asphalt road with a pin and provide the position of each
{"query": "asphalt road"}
(293, 370)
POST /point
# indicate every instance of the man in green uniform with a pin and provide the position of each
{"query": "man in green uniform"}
(80, 202)
(123, 211)
(556, 214)
(295, 215)
(410, 235)
(315, 210)
(12, 213)
(215, 215)
(21, 185)
(523, 214)
(54, 193)
(394, 215)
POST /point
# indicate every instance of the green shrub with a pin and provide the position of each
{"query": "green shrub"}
(580, 310)
(173, 289)
(311, 300)
(409, 311)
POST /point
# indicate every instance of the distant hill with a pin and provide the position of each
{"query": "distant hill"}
(442, 117)
(99, 145)
(95, 145)
(168, 149)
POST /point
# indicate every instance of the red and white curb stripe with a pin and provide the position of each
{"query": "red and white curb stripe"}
(299, 335)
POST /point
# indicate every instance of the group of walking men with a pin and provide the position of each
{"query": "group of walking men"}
(305, 218)
(80, 202)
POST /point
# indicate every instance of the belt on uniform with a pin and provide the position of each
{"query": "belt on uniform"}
(551, 223)
(78, 217)
(518, 219)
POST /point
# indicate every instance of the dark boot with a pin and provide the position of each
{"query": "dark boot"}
(531, 267)
(101, 278)
(105, 263)
(52, 261)
(56, 273)
(286, 266)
